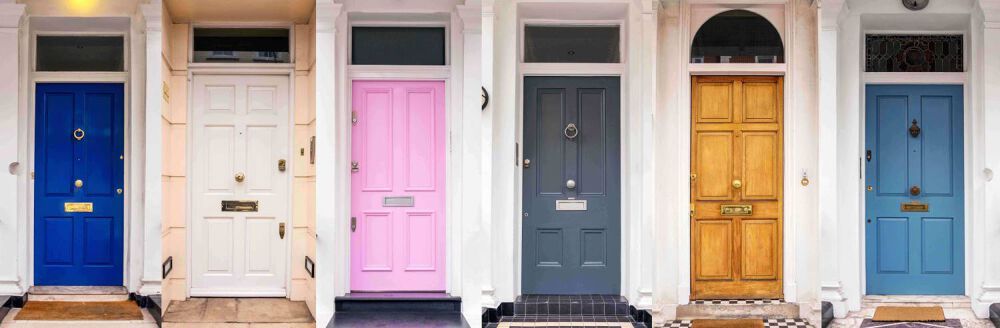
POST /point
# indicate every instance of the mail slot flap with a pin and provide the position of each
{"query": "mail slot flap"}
(73, 207)
(397, 201)
(239, 206)
(914, 207)
(571, 205)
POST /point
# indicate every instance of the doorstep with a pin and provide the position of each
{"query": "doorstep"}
(738, 309)
(78, 293)
(238, 312)
(397, 309)
(555, 310)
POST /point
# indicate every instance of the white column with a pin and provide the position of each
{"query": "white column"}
(152, 199)
(642, 69)
(826, 178)
(327, 241)
(14, 166)
(469, 148)
(849, 185)
(985, 237)
(487, 239)
(500, 163)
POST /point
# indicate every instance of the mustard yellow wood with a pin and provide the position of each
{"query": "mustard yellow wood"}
(736, 159)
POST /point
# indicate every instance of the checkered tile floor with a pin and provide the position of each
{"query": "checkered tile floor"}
(738, 302)
(768, 323)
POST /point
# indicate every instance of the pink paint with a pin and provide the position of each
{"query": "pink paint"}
(398, 143)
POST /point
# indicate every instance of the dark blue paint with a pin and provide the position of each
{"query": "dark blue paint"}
(914, 252)
(79, 249)
(571, 252)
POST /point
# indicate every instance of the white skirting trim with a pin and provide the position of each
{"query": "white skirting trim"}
(833, 292)
(11, 288)
(151, 288)
(488, 298)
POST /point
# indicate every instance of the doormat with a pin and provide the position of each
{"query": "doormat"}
(908, 313)
(727, 323)
(563, 324)
(949, 323)
(82, 311)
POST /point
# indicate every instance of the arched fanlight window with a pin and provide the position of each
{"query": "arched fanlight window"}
(737, 36)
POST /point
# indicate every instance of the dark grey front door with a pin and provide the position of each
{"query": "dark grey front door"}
(571, 197)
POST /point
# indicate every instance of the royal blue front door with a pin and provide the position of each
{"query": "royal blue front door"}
(79, 163)
(913, 158)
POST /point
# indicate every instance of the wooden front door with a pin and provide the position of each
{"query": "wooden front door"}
(736, 165)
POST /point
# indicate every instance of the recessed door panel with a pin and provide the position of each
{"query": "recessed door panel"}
(397, 186)
(736, 187)
(240, 127)
(79, 161)
(571, 153)
(915, 135)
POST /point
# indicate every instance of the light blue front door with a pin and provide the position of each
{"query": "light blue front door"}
(913, 155)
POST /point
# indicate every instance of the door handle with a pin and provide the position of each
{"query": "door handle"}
(78, 183)
(570, 184)
(281, 230)
(281, 165)
(737, 184)
(354, 223)
(915, 190)
(239, 177)
(571, 131)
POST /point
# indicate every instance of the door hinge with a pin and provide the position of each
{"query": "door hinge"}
(354, 117)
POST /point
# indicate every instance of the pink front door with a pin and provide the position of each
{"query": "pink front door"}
(397, 186)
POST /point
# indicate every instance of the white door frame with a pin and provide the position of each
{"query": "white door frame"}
(33, 78)
(284, 70)
(951, 78)
(683, 125)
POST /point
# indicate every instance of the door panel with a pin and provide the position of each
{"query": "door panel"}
(911, 252)
(736, 160)
(571, 251)
(79, 248)
(398, 143)
(240, 126)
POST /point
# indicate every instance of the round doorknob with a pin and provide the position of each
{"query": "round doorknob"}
(239, 177)
(915, 190)
(78, 183)
(737, 184)
(570, 184)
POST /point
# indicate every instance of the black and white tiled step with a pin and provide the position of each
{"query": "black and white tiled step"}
(557, 310)
(768, 323)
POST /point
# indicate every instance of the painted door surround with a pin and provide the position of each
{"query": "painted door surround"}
(736, 159)
(914, 134)
(79, 160)
(571, 196)
(240, 133)
(398, 228)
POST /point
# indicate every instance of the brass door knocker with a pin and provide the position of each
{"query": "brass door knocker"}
(914, 129)
(571, 131)
(78, 134)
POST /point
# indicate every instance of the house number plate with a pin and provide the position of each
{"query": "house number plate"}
(571, 205)
(239, 206)
(78, 207)
(737, 210)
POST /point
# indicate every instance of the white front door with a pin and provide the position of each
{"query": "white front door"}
(240, 125)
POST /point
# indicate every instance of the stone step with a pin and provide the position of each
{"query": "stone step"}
(77, 294)
(398, 302)
(778, 310)
(569, 305)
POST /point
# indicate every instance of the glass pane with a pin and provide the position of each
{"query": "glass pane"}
(80, 53)
(397, 45)
(241, 45)
(737, 36)
(571, 44)
(913, 53)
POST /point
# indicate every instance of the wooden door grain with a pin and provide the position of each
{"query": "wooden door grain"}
(736, 159)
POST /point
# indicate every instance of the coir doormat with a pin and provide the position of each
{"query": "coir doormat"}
(908, 314)
(727, 323)
(79, 311)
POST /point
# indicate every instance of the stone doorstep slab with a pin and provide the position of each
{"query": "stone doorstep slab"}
(736, 311)
(238, 311)
(77, 290)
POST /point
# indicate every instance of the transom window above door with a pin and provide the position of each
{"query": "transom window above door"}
(398, 45)
(737, 36)
(572, 44)
(241, 45)
(78, 53)
(913, 53)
